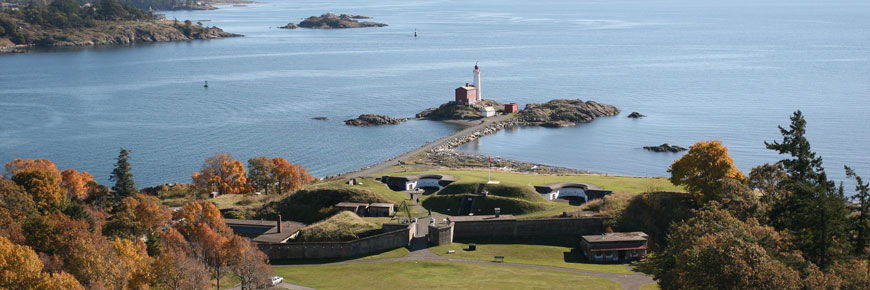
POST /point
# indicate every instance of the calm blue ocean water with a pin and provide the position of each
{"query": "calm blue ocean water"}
(728, 70)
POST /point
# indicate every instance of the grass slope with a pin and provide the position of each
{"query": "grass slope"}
(435, 275)
(343, 226)
(555, 256)
(628, 184)
(315, 204)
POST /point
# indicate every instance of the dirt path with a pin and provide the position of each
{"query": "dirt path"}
(383, 166)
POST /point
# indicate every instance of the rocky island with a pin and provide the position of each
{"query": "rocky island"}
(62, 25)
(563, 112)
(636, 115)
(455, 111)
(665, 148)
(372, 120)
(331, 20)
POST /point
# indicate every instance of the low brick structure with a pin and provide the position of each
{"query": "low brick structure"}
(614, 247)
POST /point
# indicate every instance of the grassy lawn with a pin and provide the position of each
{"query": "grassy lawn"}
(528, 254)
(650, 286)
(435, 275)
(615, 183)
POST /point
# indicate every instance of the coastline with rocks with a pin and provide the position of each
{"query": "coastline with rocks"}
(441, 152)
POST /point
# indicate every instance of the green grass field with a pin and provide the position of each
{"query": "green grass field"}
(627, 184)
(435, 275)
(615, 183)
(528, 254)
(650, 286)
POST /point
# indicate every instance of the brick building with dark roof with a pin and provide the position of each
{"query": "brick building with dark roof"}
(614, 247)
(263, 231)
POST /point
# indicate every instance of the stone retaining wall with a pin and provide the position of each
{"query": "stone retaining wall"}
(559, 230)
(359, 247)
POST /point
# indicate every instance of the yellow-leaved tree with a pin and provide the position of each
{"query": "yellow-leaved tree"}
(223, 172)
(704, 169)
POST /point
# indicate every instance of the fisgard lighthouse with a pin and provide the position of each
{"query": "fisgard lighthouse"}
(476, 82)
(470, 94)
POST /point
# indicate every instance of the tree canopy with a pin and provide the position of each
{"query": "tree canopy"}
(703, 170)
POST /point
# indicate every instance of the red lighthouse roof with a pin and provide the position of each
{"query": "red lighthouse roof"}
(475, 66)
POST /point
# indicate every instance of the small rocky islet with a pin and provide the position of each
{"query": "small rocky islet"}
(372, 120)
(665, 148)
(332, 21)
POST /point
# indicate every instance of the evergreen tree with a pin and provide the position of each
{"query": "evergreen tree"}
(123, 178)
(812, 210)
(862, 220)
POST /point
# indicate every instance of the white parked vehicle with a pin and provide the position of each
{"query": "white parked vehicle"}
(276, 280)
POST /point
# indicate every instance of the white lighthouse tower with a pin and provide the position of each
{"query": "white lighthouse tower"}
(476, 82)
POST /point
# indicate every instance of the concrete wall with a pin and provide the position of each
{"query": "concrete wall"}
(560, 230)
(316, 250)
(440, 234)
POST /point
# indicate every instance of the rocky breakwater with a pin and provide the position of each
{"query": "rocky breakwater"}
(665, 148)
(331, 20)
(373, 120)
(476, 134)
(563, 112)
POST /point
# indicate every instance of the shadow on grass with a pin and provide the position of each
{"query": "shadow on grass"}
(574, 256)
(280, 262)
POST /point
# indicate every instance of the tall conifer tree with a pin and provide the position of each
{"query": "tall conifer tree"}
(122, 176)
(812, 210)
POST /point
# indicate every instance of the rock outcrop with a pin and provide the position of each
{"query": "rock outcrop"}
(665, 148)
(332, 20)
(562, 112)
(372, 119)
(454, 111)
(636, 115)
(320, 118)
(290, 25)
(118, 32)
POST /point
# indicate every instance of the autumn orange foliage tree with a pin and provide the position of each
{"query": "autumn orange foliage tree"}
(75, 183)
(20, 268)
(703, 170)
(54, 228)
(19, 165)
(137, 216)
(224, 172)
(290, 176)
(44, 187)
